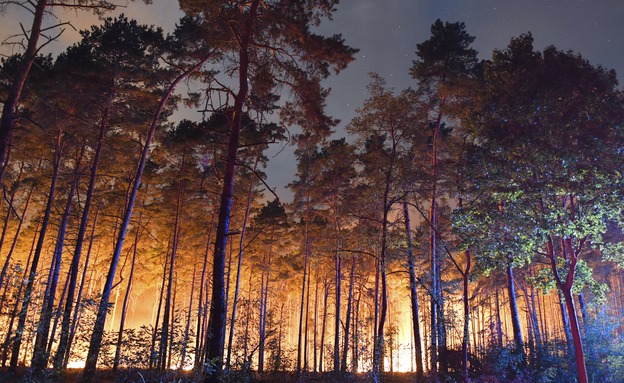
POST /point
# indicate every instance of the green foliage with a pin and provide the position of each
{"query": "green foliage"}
(604, 345)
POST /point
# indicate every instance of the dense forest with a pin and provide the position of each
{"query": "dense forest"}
(466, 228)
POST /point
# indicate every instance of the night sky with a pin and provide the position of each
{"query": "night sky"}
(387, 31)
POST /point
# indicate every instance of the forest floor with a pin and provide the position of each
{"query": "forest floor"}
(143, 376)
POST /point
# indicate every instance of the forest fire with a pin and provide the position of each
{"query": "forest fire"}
(465, 228)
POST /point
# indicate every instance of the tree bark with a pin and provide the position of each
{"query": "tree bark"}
(98, 330)
(7, 121)
(36, 256)
(411, 260)
(75, 263)
(217, 321)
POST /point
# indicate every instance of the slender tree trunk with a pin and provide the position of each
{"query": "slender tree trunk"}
(40, 355)
(378, 345)
(315, 326)
(75, 263)
(338, 277)
(18, 231)
(14, 312)
(433, 253)
(7, 219)
(513, 306)
(345, 346)
(323, 327)
(168, 316)
(217, 321)
(199, 349)
(36, 256)
(264, 302)
(124, 308)
(241, 248)
(411, 260)
(100, 320)
(303, 283)
(188, 323)
(499, 323)
(465, 297)
(76, 315)
(9, 111)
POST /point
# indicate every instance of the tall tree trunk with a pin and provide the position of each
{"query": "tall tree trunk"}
(241, 248)
(411, 260)
(378, 345)
(345, 346)
(338, 278)
(100, 320)
(5, 224)
(75, 263)
(124, 308)
(14, 312)
(36, 256)
(436, 288)
(515, 315)
(315, 326)
(466, 341)
(168, 316)
(306, 251)
(217, 321)
(571, 256)
(9, 111)
(18, 231)
(40, 355)
(264, 302)
(323, 327)
(187, 328)
(199, 349)
(76, 315)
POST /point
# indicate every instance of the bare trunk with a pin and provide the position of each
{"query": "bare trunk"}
(217, 322)
(199, 336)
(75, 263)
(413, 294)
(303, 284)
(98, 328)
(9, 111)
(188, 324)
(124, 308)
(168, 316)
(345, 346)
(241, 247)
(36, 256)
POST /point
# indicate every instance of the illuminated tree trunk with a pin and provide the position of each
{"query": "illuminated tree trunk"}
(201, 308)
(18, 231)
(5, 227)
(411, 260)
(323, 327)
(98, 329)
(345, 346)
(338, 292)
(124, 308)
(37, 254)
(168, 316)
(63, 347)
(515, 315)
(188, 323)
(76, 315)
(241, 247)
(303, 285)
(14, 311)
(40, 355)
(571, 255)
